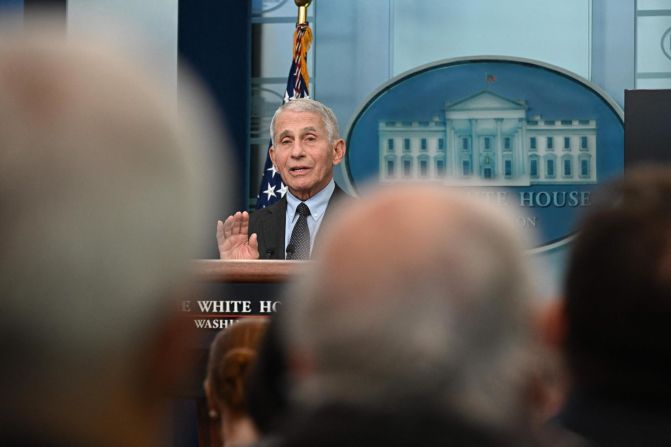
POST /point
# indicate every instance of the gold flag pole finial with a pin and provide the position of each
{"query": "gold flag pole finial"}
(302, 11)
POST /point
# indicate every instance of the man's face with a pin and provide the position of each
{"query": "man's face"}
(303, 154)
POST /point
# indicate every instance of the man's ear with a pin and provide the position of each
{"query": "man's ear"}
(339, 149)
(271, 153)
(552, 324)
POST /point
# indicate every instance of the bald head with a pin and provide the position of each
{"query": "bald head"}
(419, 292)
(403, 234)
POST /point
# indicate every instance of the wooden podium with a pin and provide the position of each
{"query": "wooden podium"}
(224, 292)
(227, 290)
(266, 271)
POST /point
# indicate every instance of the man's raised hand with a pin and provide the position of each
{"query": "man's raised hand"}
(232, 238)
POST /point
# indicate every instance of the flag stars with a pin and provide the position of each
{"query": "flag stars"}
(270, 191)
(272, 170)
(283, 189)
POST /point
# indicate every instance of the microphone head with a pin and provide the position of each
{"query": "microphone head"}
(291, 249)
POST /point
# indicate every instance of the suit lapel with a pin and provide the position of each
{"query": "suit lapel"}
(274, 227)
(336, 197)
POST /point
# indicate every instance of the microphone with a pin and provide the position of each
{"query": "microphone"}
(290, 251)
(269, 252)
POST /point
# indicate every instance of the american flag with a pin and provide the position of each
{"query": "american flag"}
(272, 187)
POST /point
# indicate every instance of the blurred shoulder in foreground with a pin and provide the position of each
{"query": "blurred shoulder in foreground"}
(104, 191)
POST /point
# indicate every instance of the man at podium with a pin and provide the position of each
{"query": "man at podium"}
(306, 145)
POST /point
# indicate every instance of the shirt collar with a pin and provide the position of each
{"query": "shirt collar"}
(317, 203)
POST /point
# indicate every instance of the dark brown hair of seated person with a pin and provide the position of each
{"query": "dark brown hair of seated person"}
(232, 355)
(618, 291)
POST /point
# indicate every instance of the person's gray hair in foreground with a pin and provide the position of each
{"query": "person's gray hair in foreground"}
(104, 191)
(421, 296)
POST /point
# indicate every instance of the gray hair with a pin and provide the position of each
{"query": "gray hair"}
(104, 193)
(435, 309)
(310, 106)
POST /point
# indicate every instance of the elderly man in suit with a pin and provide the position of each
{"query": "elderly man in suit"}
(306, 145)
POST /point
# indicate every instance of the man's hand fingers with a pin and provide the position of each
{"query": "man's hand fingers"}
(220, 232)
(254, 243)
(244, 224)
(232, 238)
(237, 226)
(228, 226)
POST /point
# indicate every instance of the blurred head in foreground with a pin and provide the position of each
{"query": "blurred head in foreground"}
(103, 192)
(420, 303)
(232, 356)
(617, 306)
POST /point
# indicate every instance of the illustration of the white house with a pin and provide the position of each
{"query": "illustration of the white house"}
(491, 140)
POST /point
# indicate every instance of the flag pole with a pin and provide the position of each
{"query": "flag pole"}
(302, 11)
(302, 42)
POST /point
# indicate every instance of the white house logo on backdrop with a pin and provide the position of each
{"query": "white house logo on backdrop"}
(518, 131)
(490, 139)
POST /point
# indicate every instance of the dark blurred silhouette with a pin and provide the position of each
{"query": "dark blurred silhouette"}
(104, 188)
(617, 315)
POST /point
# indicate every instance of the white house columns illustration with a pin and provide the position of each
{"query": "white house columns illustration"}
(489, 139)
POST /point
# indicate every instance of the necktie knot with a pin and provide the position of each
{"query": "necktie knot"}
(303, 210)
